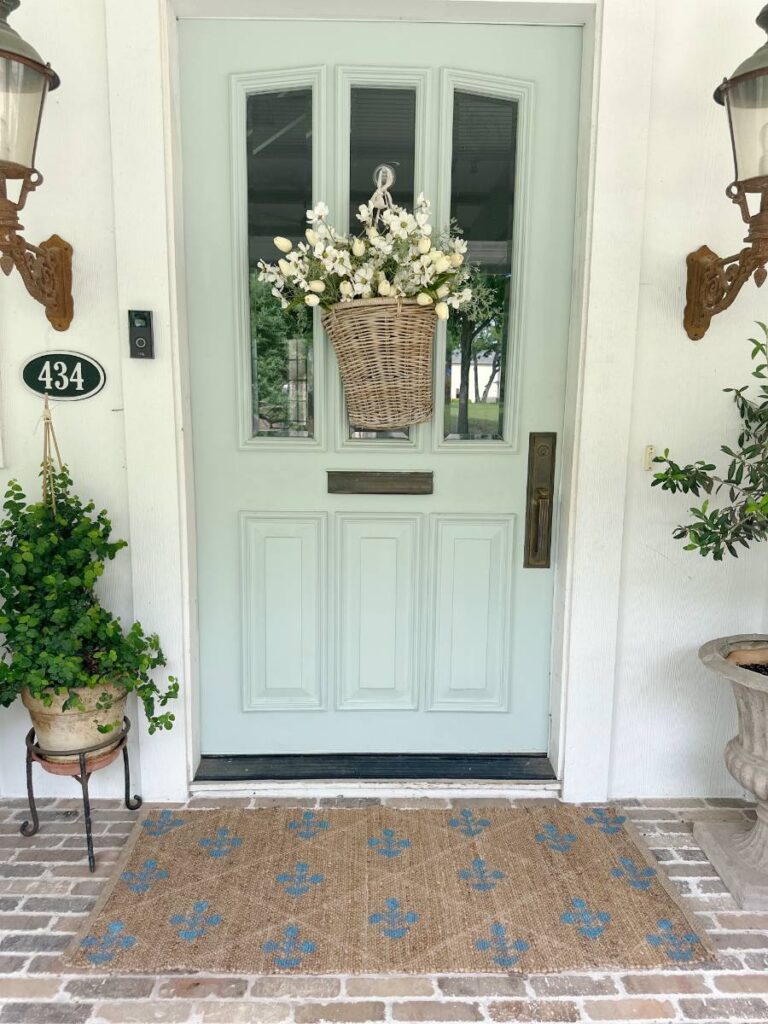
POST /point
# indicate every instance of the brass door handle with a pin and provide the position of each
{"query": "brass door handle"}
(543, 522)
(539, 500)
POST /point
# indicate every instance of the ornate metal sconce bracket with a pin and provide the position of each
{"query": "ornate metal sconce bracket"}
(714, 282)
(45, 269)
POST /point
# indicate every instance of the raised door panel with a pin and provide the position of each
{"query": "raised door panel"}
(283, 609)
(377, 576)
(471, 613)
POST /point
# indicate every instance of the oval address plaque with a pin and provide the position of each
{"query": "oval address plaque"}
(63, 376)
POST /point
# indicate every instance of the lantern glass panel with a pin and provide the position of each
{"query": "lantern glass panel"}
(748, 110)
(22, 91)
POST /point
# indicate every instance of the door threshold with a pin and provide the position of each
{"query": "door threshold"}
(438, 789)
(377, 775)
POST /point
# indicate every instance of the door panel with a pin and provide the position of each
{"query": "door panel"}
(355, 623)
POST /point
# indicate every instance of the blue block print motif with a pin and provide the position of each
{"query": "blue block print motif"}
(300, 882)
(590, 924)
(395, 923)
(142, 881)
(609, 821)
(480, 877)
(468, 824)
(640, 878)
(222, 844)
(157, 827)
(388, 845)
(679, 948)
(505, 953)
(103, 950)
(557, 842)
(309, 825)
(290, 950)
(195, 925)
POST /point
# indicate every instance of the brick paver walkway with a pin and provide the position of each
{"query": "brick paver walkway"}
(45, 889)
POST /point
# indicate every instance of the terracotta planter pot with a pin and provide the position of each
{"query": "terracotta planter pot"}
(738, 851)
(73, 730)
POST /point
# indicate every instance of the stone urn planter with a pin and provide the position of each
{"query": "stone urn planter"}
(73, 729)
(739, 852)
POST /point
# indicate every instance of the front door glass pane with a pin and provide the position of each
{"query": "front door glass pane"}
(382, 131)
(279, 140)
(482, 204)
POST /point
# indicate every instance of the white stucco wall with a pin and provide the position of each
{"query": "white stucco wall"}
(671, 718)
(75, 201)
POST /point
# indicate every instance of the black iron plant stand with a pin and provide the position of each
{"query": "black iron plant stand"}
(81, 769)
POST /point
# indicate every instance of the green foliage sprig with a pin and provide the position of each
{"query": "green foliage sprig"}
(715, 530)
(57, 635)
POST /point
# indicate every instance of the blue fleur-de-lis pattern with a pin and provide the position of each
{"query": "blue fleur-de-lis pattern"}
(299, 881)
(590, 923)
(290, 950)
(388, 844)
(393, 921)
(197, 923)
(640, 878)
(145, 878)
(480, 877)
(679, 948)
(555, 840)
(606, 819)
(220, 845)
(162, 825)
(468, 825)
(103, 949)
(287, 885)
(504, 952)
(309, 825)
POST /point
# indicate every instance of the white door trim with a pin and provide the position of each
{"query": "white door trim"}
(147, 174)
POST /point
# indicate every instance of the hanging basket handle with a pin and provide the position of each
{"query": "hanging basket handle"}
(383, 178)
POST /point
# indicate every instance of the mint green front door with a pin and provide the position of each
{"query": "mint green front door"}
(374, 623)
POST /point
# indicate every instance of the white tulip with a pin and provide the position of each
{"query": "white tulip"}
(316, 286)
(436, 255)
(285, 268)
(312, 300)
(423, 299)
(442, 310)
(442, 265)
(312, 237)
(346, 288)
(424, 246)
(456, 259)
(358, 247)
(442, 291)
(283, 244)
(384, 287)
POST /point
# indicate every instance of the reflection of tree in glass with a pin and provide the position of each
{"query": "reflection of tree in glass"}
(281, 342)
(477, 330)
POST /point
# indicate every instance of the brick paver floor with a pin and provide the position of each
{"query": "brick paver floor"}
(46, 889)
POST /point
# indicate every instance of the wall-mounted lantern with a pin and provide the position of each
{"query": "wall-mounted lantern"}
(24, 83)
(714, 282)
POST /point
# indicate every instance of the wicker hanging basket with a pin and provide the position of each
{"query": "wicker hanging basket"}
(384, 350)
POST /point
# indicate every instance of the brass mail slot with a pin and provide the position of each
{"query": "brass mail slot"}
(379, 483)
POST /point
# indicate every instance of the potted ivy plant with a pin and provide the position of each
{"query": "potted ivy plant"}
(67, 657)
(737, 518)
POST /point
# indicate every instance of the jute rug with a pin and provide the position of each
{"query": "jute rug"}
(377, 890)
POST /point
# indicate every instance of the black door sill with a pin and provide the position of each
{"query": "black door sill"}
(299, 767)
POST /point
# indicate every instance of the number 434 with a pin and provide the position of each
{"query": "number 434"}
(57, 377)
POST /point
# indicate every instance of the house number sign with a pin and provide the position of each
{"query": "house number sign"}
(63, 376)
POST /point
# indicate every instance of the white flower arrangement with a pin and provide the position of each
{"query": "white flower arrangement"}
(393, 257)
